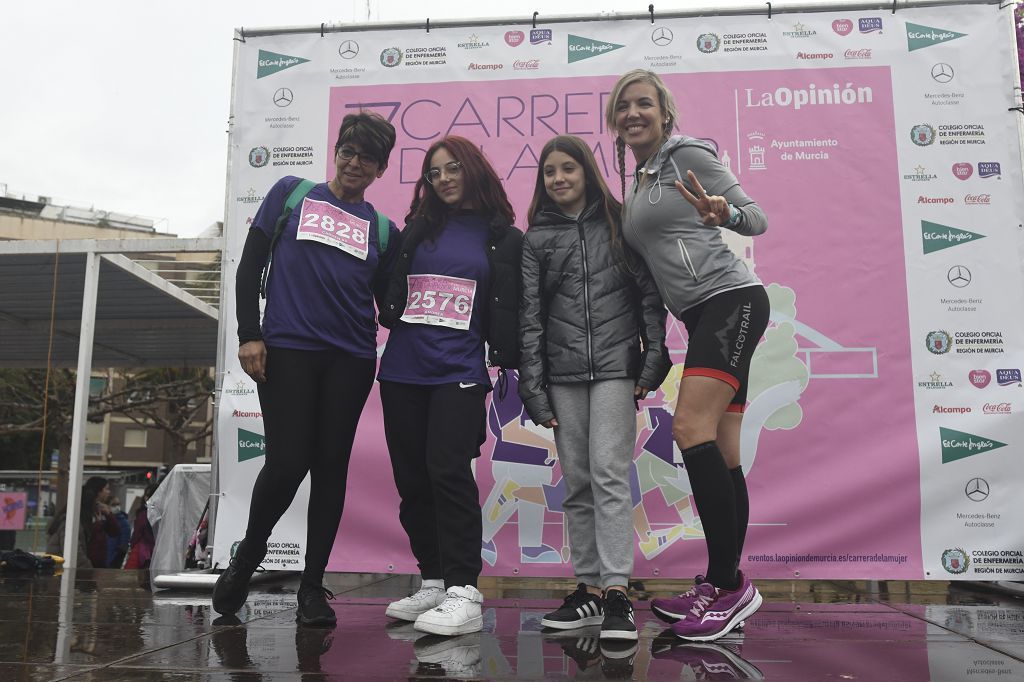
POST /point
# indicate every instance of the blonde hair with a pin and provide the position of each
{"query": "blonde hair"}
(665, 101)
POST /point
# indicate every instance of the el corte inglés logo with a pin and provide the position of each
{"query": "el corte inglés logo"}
(919, 37)
(581, 48)
(959, 445)
(250, 445)
(937, 237)
(271, 62)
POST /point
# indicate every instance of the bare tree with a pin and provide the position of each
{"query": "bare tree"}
(174, 400)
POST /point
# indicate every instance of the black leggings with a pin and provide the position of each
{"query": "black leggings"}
(311, 405)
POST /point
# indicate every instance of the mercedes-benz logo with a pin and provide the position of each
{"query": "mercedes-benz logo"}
(283, 97)
(348, 49)
(977, 489)
(943, 73)
(661, 36)
(959, 276)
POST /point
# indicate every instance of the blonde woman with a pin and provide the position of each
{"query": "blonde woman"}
(673, 215)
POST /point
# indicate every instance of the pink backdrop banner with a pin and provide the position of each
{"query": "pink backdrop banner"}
(831, 404)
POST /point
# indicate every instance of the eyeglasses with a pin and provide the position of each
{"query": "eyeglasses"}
(347, 154)
(452, 169)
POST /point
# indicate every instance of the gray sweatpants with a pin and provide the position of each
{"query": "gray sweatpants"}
(595, 436)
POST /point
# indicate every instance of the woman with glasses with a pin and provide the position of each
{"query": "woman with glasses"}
(314, 356)
(454, 288)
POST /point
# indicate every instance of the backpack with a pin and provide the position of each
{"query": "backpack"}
(297, 194)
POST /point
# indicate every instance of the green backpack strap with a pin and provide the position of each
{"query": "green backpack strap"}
(294, 198)
(383, 232)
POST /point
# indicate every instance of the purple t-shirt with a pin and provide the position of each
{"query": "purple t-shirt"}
(419, 353)
(319, 296)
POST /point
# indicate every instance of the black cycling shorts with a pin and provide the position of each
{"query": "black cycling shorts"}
(723, 333)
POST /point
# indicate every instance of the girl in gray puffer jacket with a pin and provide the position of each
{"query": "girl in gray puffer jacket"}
(592, 329)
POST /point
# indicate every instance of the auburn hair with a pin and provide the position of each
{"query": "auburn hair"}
(481, 187)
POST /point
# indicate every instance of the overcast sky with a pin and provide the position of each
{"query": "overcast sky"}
(123, 106)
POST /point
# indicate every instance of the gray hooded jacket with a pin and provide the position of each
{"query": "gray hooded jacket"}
(690, 262)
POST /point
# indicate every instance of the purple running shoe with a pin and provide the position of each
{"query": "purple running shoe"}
(675, 608)
(707, 661)
(715, 611)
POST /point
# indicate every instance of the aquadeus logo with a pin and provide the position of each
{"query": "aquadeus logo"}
(250, 445)
(581, 48)
(920, 37)
(960, 445)
(937, 237)
(270, 63)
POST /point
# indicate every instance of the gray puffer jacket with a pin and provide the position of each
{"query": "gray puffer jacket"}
(583, 315)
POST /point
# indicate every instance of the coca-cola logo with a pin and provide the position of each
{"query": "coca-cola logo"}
(978, 199)
(864, 53)
(526, 64)
(979, 378)
(997, 408)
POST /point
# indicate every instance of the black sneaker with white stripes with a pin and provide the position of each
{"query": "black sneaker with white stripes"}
(618, 616)
(578, 610)
(584, 649)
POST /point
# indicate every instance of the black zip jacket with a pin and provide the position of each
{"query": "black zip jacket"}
(501, 315)
(582, 314)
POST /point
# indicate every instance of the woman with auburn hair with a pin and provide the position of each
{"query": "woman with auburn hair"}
(675, 225)
(455, 287)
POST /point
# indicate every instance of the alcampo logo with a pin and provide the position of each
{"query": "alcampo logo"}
(919, 37)
(581, 48)
(250, 445)
(937, 237)
(272, 62)
(959, 445)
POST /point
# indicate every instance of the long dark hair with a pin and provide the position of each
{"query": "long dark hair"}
(480, 186)
(90, 495)
(596, 189)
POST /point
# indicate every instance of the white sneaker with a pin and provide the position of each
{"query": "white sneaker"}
(412, 606)
(458, 614)
(453, 657)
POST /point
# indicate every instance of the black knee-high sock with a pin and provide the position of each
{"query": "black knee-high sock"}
(739, 485)
(715, 497)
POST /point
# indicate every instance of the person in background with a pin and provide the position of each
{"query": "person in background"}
(95, 524)
(117, 547)
(142, 540)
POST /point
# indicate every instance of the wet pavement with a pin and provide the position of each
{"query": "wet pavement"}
(107, 625)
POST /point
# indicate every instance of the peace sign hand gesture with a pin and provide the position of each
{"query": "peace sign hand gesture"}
(713, 209)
